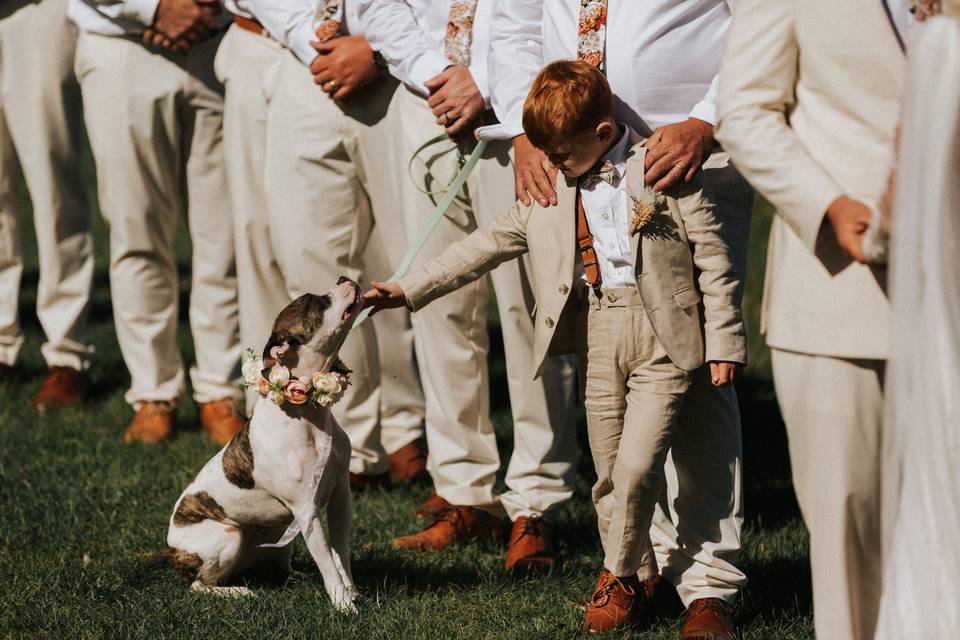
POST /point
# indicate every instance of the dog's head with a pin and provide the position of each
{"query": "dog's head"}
(308, 333)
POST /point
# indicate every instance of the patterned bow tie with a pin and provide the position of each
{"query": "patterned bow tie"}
(606, 172)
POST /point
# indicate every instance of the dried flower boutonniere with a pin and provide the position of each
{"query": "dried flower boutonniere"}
(645, 206)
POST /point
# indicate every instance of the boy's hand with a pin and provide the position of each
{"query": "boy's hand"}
(849, 219)
(724, 373)
(384, 295)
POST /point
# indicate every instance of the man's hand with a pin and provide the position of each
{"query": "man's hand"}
(534, 174)
(384, 295)
(675, 152)
(724, 373)
(455, 100)
(343, 65)
(849, 219)
(182, 23)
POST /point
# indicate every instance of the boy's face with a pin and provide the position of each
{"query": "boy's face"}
(578, 153)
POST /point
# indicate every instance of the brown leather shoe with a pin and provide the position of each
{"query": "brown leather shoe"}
(432, 506)
(360, 483)
(708, 619)
(616, 603)
(529, 546)
(154, 422)
(222, 419)
(409, 463)
(452, 526)
(63, 387)
(662, 599)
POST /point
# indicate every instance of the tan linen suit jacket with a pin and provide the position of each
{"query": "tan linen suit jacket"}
(808, 104)
(678, 255)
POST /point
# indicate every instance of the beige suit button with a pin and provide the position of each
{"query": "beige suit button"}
(563, 289)
(549, 323)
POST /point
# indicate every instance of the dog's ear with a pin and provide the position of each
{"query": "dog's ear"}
(279, 343)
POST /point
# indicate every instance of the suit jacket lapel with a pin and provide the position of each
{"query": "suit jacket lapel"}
(635, 184)
(893, 25)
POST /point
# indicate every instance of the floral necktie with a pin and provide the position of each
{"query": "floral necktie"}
(328, 18)
(606, 172)
(460, 32)
(592, 31)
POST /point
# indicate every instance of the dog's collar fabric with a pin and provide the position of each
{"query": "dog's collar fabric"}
(277, 383)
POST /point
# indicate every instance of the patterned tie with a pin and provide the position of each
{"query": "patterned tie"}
(459, 36)
(328, 18)
(606, 172)
(592, 31)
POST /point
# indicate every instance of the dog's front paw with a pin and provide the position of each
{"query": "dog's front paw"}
(346, 605)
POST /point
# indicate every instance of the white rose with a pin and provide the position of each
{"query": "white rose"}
(325, 382)
(251, 371)
(277, 397)
(326, 401)
(279, 374)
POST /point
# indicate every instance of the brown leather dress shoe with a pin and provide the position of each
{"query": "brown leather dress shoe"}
(662, 599)
(708, 619)
(222, 419)
(452, 526)
(616, 603)
(432, 506)
(529, 546)
(154, 422)
(409, 463)
(360, 483)
(63, 387)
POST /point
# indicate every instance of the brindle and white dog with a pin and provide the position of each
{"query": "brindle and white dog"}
(268, 476)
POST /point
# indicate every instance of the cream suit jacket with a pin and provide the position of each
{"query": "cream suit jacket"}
(808, 105)
(679, 249)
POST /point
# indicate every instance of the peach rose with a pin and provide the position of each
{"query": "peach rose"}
(263, 386)
(295, 392)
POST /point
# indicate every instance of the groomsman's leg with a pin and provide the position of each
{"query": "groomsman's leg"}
(243, 61)
(320, 221)
(11, 258)
(542, 465)
(833, 410)
(136, 141)
(41, 106)
(214, 314)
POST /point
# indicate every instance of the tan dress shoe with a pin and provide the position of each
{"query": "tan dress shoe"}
(432, 506)
(409, 463)
(222, 419)
(63, 387)
(360, 483)
(453, 526)
(154, 422)
(708, 619)
(616, 603)
(529, 546)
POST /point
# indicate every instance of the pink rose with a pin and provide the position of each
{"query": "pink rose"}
(263, 386)
(295, 392)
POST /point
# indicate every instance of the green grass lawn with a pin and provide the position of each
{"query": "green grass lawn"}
(77, 508)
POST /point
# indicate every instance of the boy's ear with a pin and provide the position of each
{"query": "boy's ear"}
(605, 131)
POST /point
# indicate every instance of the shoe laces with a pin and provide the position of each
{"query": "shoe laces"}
(607, 585)
(533, 526)
(158, 406)
(716, 605)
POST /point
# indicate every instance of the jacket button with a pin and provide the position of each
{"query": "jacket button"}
(563, 289)
(549, 323)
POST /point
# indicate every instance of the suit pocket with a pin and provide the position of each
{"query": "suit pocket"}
(687, 297)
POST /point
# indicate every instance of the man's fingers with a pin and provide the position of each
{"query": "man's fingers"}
(323, 48)
(655, 153)
(672, 177)
(545, 186)
(520, 187)
(343, 92)
(530, 182)
(438, 80)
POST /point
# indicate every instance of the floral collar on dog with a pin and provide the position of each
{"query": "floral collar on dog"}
(278, 384)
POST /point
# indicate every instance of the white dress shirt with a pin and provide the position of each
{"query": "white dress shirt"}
(662, 57)
(293, 23)
(117, 17)
(410, 35)
(608, 216)
(239, 8)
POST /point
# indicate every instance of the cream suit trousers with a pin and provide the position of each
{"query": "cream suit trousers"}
(633, 393)
(833, 410)
(155, 123)
(451, 342)
(698, 520)
(39, 125)
(327, 170)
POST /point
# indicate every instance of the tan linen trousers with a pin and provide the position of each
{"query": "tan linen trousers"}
(633, 393)
(451, 340)
(155, 122)
(39, 126)
(328, 169)
(833, 409)
(697, 524)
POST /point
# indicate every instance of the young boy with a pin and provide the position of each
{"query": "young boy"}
(640, 284)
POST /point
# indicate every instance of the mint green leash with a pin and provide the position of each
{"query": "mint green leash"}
(452, 189)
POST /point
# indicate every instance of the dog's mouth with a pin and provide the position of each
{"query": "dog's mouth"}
(355, 306)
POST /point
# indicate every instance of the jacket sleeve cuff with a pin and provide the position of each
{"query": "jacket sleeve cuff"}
(143, 11)
(417, 287)
(726, 349)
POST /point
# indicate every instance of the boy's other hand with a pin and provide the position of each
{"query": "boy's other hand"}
(849, 219)
(724, 373)
(675, 152)
(534, 174)
(384, 295)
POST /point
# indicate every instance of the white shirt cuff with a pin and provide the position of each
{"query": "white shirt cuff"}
(706, 111)
(300, 40)
(499, 132)
(427, 66)
(143, 11)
